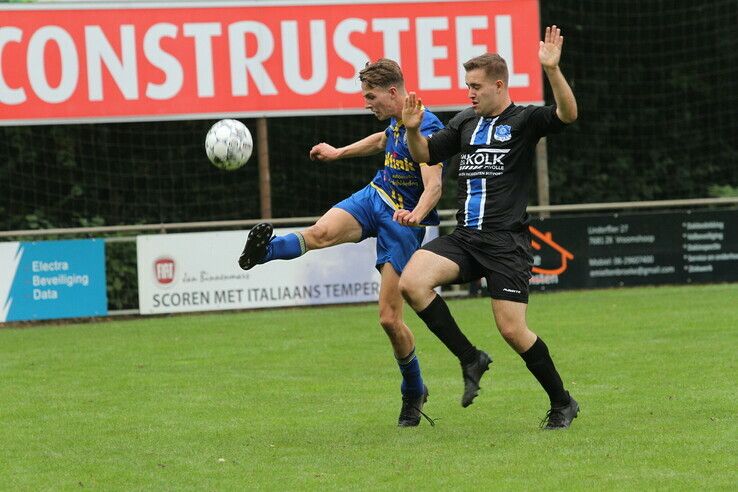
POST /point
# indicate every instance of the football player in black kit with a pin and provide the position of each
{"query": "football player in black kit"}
(496, 141)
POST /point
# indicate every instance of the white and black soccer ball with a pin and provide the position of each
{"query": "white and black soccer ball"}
(228, 144)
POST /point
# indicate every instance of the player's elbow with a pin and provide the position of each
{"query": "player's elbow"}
(568, 114)
(570, 117)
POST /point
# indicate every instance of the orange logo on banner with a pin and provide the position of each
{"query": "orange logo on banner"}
(548, 239)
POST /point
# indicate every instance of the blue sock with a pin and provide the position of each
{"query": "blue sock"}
(412, 380)
(286, 247)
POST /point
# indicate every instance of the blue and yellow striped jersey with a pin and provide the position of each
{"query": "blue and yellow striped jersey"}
(400, 183)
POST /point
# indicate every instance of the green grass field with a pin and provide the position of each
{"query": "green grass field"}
(308, 399)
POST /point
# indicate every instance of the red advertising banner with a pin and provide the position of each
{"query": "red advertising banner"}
(186, 61)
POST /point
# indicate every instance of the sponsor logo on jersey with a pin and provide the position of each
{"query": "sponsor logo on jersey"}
(394, 162)
(483, 162)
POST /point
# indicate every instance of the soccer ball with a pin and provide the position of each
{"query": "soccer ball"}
(228, 144)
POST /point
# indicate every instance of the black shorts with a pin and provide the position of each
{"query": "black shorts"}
(504, 258)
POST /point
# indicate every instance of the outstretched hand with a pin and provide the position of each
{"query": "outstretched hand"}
(323, 152)
(412, 111)
(549, 51)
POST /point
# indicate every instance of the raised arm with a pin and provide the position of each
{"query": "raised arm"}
(432, 188)
(373, 144)
(412, 116)
(549, 54)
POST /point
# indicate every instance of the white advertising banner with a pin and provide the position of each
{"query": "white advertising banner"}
(199, 272)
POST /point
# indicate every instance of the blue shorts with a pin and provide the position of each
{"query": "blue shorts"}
(396, 243)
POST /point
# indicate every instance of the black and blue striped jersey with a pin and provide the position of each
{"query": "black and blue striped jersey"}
(400, 183)
(496, 163)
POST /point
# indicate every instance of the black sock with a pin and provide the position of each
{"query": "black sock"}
(442, 324)
(539, 362)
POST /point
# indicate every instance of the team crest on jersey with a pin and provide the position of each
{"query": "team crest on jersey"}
(503, 133)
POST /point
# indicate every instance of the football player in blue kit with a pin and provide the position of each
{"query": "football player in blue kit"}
(402, 184)
(496, 141)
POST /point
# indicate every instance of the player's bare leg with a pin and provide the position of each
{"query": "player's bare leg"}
(390, 313)
(425, 272)
(510, 320)
(335, 227)
(414, 391)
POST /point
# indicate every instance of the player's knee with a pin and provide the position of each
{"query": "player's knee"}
(390, 318)
(511, 330)
(391, 322)
(507, 332)
(408, 287)
(317, 236)
(414, 289)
